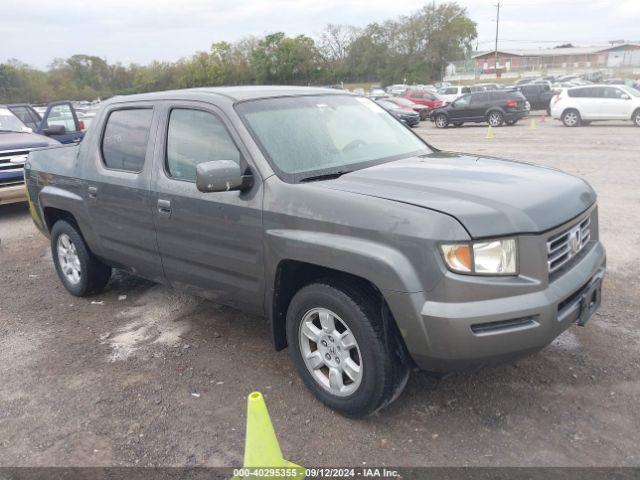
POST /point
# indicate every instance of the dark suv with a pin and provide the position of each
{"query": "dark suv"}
(538, 95)
(495, 108)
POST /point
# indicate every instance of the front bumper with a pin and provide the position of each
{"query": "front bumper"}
(12, 194)
(411, 121)
(444, 337)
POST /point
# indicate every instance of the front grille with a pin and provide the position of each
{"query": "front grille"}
(11, 164)
(561, 248)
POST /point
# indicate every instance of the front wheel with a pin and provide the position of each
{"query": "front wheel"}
(495, 119)
(79, 270)
(636, 118)
(342, 350)
(441, 120)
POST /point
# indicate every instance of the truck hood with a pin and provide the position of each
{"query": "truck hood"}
(488, 196)
(24, 141)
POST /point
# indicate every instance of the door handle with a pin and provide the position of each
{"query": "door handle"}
(93, 192)
(164, 207)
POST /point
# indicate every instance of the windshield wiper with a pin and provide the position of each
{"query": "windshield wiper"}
(325, 176)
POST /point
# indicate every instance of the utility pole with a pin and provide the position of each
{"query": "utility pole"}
(495, 65)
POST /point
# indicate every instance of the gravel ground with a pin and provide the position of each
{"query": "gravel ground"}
(142, 375)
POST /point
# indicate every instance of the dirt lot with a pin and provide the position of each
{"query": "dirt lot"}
(141, 375)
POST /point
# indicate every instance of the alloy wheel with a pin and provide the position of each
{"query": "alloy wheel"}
(68, 259)
(495, 119)
(330, 352)
(570, 119)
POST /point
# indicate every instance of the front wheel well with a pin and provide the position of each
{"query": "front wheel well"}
(292, 275)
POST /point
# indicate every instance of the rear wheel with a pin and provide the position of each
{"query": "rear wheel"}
(342, 350)
(636, 118)
(441, 120)
(495, 119)
(571, 118)
(79, 270)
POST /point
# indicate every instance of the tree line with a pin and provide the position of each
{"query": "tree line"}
(414, 48)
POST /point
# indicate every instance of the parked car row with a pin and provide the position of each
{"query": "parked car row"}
(23, 129)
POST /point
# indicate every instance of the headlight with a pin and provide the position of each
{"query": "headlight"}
(487, 257)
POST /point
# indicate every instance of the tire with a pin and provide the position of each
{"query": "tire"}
(571, 118)
(441, 120)
(495, 118)
(457, 124)
(346, 309)
(511, 123)
(79, 270)
(636, 118)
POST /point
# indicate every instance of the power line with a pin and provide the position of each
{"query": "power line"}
(497, 25)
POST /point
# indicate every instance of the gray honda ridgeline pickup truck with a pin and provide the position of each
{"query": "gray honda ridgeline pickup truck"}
(368, 250)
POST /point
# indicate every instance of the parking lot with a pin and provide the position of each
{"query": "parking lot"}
(142, 375)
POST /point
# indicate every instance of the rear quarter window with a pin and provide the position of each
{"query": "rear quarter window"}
(125, 139)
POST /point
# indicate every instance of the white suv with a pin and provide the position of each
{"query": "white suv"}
(453, 92)
(581, 105)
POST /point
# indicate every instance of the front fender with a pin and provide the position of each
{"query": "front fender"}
(384, 266)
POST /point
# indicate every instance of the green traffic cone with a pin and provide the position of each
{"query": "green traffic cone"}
(261, 449)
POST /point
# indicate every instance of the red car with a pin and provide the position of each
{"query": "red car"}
(409, 105)
(424, 97)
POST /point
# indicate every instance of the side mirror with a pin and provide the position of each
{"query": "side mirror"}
(624, 96)
(54, 130)
(221, 176)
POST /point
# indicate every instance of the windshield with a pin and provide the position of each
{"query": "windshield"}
(307, 136)
(9, 122)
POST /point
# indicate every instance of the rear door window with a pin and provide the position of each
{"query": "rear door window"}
(479, 98)
(578, 92)
(125, 139)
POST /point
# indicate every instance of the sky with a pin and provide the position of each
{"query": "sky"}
(37, 31)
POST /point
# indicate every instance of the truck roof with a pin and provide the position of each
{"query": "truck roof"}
(240, 93)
